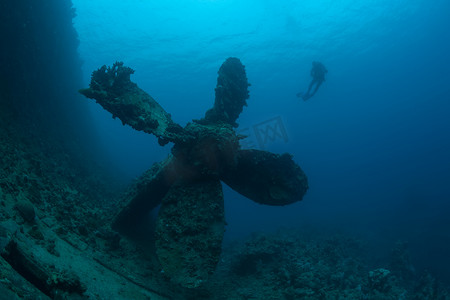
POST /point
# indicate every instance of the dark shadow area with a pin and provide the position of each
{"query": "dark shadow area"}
(45, 125)
(49, 156)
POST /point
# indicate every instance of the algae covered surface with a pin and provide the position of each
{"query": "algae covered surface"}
(67, 243)
(203, 221)
(311, 264)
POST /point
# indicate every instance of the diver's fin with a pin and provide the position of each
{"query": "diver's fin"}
(300, 95)
(306, 97)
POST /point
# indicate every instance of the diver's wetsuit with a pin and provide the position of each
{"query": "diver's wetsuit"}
(318, 72)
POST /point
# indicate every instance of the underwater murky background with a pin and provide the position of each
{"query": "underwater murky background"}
(374, 141)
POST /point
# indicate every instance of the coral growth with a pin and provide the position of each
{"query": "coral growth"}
(187, 184)
(294, 264)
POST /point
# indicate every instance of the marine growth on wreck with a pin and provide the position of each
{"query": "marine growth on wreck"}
(187, 184)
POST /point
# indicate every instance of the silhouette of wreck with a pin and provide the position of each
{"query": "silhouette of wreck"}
(191, 223)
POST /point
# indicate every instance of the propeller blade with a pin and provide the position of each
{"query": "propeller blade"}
(267, 178)
(112, 88)
(231, 93)
(144, 195)
(189, 231)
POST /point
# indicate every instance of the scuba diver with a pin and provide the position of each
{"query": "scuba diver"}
(318, 72)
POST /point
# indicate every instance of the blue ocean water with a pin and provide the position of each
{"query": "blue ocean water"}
(375, 139)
